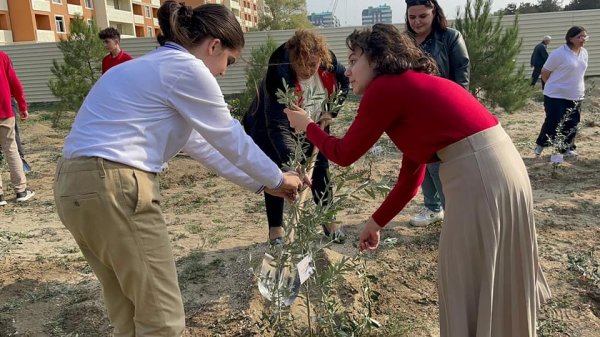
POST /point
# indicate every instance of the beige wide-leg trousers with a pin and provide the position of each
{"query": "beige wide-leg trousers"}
(113, 212)
(490, 280)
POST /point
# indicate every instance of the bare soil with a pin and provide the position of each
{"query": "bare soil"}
(219, 234)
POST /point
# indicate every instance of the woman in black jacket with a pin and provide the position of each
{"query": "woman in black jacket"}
(427, 24)
(304, 62)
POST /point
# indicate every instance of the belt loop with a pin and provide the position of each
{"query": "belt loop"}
(100, 162)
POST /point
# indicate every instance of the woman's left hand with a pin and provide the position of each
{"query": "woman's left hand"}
(298, 118)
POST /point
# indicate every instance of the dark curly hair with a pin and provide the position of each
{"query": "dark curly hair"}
(109, 33)
(392, 51)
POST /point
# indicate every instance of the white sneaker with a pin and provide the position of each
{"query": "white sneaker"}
(426, 217)
(538, 150)
(25, 195)
(571, 154)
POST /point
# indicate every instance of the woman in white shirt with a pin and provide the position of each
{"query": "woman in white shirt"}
(563, 73)
(134, 119)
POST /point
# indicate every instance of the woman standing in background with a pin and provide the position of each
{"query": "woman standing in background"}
(564, 90)
(427, 24)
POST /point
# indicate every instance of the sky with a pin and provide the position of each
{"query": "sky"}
(349, 11)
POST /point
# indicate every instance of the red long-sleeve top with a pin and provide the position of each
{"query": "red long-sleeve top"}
(9, 86)
(421, 114)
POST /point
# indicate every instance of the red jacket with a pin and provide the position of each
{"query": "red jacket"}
(9, 86)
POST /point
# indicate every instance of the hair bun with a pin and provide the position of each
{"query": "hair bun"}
(185, 11)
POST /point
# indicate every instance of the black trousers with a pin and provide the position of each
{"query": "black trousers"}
(535, 75)
(556, 109)
(321, 191)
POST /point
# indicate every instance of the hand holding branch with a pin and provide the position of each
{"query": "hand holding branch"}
(299, 119)
(289, 188)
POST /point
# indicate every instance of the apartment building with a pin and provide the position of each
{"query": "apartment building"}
(48, 20)
(133, 18)
(246, 11)
(373, 15)
(324, 20)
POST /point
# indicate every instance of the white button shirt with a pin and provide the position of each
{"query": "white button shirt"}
(143, 112)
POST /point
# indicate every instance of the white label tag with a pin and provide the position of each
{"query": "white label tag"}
(305, 269)
(556, 158)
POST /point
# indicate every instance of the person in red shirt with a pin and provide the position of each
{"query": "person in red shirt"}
(10, 86)
(490, 281)
(112, 42)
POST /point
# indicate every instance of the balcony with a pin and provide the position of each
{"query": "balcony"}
(45, 36)
(40, 5)
(139, 19)
(119, 15)
(74, 9)
(234, 5)
(6, 36)
(3, 5)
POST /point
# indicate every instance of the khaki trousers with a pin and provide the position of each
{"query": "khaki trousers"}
(11, 153)
(490, 280)
(113, 212)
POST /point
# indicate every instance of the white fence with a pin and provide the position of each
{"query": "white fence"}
(34, 61)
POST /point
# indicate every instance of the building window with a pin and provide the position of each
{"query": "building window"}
(149, 31)
(90, 22)
(57, 1)
(89, 4)
(60, 24)
(147, 12)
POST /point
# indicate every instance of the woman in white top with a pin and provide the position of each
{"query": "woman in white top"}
(135, 118)
(563, 73)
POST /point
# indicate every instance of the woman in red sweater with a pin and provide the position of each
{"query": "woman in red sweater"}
(490, 280)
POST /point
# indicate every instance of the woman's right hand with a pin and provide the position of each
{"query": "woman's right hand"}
(369, 237)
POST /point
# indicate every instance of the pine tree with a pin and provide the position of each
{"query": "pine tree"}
(495, 78)
(82, 54)
(582, 4)
(255, 71)
(284, 14)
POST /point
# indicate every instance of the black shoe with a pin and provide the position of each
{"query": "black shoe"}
(25, 195)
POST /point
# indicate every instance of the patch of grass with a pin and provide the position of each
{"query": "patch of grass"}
(551, 327)
(194, 229)
(194, 270)
(254, 206)
(400, 325)
(188, 180)
(210, 183)
(178, 236)
(587, 267)
(68, 250)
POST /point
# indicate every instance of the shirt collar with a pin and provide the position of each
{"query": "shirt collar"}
(173, 45)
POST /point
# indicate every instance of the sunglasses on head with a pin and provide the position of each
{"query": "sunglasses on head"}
(418, 2)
